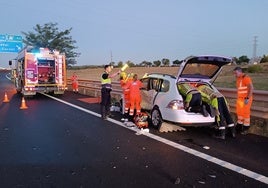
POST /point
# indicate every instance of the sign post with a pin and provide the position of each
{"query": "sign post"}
(10, 43)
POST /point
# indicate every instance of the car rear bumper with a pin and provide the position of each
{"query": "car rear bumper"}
(186, 118)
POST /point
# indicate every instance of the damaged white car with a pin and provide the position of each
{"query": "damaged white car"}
(161, 97)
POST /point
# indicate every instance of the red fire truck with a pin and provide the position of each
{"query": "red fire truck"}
(40, 70)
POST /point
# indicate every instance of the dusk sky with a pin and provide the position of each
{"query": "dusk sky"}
(145, 30)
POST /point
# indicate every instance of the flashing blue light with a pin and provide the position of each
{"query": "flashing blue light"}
(37, 55)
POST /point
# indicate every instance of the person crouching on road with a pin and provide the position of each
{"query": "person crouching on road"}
(221, 107)
(244, 99)
(106, 88)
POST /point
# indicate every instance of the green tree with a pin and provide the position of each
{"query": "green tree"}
(130, 64)
(177, 62)
(264, 59)
(120, 64)
(157, 63)
(49, 36)
(243, 60)
(146, 63)
(165, 62)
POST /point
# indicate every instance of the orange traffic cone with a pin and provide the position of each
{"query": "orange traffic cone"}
(6, 98)
(23, 104)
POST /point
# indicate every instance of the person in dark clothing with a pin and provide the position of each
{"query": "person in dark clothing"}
(106, 88)
(219, 103)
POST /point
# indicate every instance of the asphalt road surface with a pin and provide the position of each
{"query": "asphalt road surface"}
(63, 142)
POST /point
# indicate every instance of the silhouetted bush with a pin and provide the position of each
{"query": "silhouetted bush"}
(254, 69)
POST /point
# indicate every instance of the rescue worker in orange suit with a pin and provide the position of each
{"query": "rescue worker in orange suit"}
(193, 100)
(124, 79)
(135, 95)
(221, 107)
(244, 99)
(74, 83)
(106, 88)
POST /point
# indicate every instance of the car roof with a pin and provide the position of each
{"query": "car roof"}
(159, 75)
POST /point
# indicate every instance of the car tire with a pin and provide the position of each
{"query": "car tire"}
(156, 118)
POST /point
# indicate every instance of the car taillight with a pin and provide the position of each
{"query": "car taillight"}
(176, 105)
(29, 88)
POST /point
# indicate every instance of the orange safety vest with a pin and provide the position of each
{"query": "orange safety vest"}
(126, 92)
(135, 96)
(242, 109)
(242, 86)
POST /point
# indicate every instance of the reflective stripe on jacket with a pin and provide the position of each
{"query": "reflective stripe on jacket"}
(186, 88)
(242, 86)
(106, 83)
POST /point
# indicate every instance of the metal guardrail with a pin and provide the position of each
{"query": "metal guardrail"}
(258, 95)
(259, 106)
(93, 88)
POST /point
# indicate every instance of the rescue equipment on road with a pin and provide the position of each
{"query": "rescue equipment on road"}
(141, 120)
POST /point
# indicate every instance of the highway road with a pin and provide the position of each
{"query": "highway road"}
(63, 142)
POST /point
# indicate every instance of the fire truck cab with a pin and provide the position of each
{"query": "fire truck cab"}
(40, 70)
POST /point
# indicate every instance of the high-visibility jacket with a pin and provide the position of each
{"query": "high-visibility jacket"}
(242, 109)
(187, 90)
(209, 95)
(242, 86)
(126, 93)
(135, 96)
(106, 88)
(219, 103)
(106, 82)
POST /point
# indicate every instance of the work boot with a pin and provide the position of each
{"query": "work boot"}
(245, 130)
(103, 112)
(238, 127)
(125, 117)
(220, 134)
(109, 114)
(233, 131)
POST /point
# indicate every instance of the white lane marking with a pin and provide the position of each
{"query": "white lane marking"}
(225, 164)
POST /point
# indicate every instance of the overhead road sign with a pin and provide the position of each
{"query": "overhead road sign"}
(10, 43)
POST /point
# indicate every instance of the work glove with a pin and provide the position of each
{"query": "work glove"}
(246, 100)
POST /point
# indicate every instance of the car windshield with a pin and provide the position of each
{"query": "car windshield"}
(197, 70)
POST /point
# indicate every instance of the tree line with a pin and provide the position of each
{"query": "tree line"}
(49, 36)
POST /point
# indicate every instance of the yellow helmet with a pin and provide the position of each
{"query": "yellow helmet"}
(130, 75)
(123, 75)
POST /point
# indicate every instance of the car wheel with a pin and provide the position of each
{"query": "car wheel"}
(156, 118)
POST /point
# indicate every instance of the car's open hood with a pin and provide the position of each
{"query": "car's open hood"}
(205, 67)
